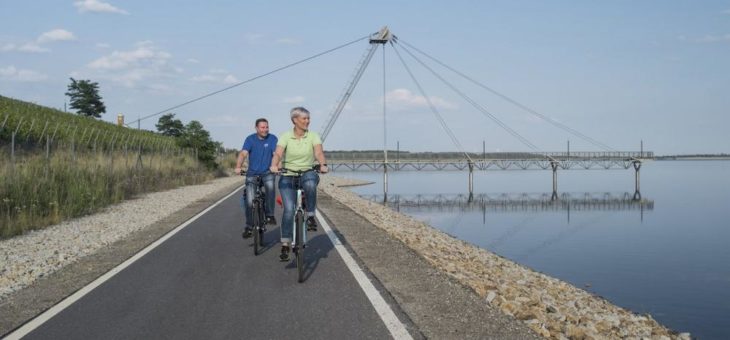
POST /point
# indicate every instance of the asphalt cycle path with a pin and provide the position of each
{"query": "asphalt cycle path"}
(204, 282)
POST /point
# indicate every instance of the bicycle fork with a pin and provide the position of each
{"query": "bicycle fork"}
(294, 226)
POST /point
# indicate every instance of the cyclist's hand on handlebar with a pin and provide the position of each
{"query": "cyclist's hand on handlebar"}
(274, 169)
(323, 169)
(238, 171)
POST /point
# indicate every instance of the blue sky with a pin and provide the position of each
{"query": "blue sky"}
(617, 71)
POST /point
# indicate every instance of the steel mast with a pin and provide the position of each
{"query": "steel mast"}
(380, 38)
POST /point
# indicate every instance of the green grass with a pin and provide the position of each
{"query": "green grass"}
(79, 176)
(35, 193)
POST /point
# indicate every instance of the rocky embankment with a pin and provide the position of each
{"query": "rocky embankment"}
(28, 257)
(552, 308)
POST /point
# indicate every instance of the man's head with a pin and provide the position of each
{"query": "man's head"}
(262, 127)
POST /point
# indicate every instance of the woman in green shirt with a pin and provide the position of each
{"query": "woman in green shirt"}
(297, 150)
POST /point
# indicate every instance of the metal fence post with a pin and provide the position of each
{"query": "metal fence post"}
(30, 131)
(49, 141)
(96, 139)
(12, 142)
(43, 133)
(12, 149)
(5, 121)
(139, 155)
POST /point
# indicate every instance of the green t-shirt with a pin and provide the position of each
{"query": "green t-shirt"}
(298, 152)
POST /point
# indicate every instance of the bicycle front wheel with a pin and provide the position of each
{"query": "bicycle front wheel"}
(262, 224)
(299, 225)
(256, 228)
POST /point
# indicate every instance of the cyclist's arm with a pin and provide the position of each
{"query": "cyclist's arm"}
(276, 159)
(241, 156)
(319, 155)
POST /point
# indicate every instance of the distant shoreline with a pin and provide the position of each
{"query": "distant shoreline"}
(691, 158)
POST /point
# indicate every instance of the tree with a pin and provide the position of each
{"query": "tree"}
(196, 137)
(169, 126)
(85, 98)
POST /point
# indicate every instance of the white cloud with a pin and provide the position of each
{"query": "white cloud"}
(193, 61)
(97, 6)
(103, 45)
(159, 89)
(253, 38)
(294, 100)
(143, 63)
(287, 41)
(714, 38)
(230, 79)
(405, 99)
(56, 35)
(145, 53)
(34, 46)
(216, 76)
(27, 47)
(205, 78)
(13, 73)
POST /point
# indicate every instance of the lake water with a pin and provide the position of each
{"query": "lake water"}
(667, 255)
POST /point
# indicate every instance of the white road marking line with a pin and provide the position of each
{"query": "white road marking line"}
(51, 312)
(396, 328)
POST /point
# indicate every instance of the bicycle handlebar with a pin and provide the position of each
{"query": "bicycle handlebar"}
(300, 172)
(244, 173)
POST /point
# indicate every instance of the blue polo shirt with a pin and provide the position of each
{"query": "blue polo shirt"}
(260, 152)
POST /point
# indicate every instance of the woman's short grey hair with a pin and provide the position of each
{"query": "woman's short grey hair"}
(298, 111)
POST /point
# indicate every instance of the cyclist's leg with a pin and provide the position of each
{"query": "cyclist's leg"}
(288, 198)
(270, 194)
(309, 184)
(242, 202)
(249, 196)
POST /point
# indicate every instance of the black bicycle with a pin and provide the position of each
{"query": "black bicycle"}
(300, 231)
(258, 214)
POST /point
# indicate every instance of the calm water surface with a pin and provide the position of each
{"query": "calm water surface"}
(669, 257)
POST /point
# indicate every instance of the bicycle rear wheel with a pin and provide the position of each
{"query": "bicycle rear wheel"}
(299, 218)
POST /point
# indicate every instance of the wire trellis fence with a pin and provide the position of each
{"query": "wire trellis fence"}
(53, 171)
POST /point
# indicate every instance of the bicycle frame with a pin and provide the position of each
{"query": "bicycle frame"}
(258, 213)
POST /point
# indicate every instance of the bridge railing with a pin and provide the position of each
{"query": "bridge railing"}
(394, 156)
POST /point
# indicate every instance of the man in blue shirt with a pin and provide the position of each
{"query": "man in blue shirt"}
(259, 148)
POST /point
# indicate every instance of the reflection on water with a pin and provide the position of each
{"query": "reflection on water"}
(515, 201)
(665, 252)
(504, 202)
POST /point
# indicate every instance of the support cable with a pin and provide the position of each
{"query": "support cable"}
(249, 80)
(475, 104)
(516, 103)
(433, 108)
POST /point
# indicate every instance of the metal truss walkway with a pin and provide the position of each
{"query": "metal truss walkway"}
(511, 161)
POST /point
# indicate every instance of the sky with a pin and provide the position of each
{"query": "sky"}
(619, 72)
